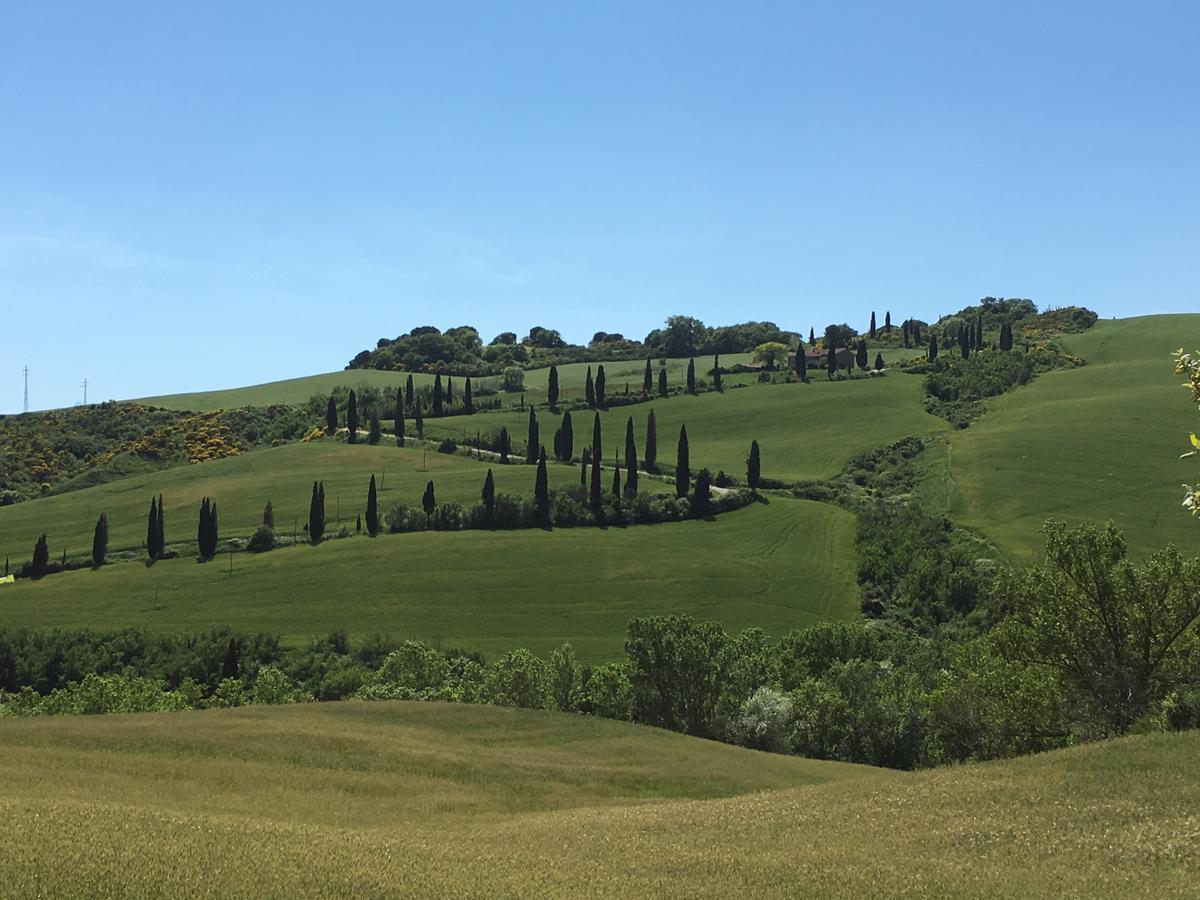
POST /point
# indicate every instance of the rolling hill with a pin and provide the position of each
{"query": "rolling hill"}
(353, 799)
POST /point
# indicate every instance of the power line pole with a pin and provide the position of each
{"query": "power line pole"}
(26, 373)
(85, 392)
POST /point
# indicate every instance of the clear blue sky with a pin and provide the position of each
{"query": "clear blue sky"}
(210, 194)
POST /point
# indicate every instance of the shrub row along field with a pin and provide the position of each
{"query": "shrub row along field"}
(1094, 443)
(366, 799)
(778, 565)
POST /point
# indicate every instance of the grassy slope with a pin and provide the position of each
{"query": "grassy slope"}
(781, 565)
(243, 484)
(373, 799)
(1100, 442)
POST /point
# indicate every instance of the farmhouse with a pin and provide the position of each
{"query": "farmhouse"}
(818, 359)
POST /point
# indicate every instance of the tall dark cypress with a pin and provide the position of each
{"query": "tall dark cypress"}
(616, 485)
(418, 418)
(152, 530)
(533, 438)
(753, 467)
(691, 376)
(437, 396)
(717, 373)
(631, 460)
(505, 444)
(584, 459)
(552, 387)
(489, 499)
(601, 385)
(230, 667)
(595, 494)
(161, 542)
(331, 417)
(100, 541)
(568, 438)
(872, 331)
(597, 451)
(428, 500)
(933, 347)
(352, 419)
(213, 531)
(372, 509)
(830, 362)
(887, 322)
(651, 443)
(662, 382)
(373, 432)
(41, 558)
(905, 336)
(648, 379)
(878, 362)
(409, 393)
(682, 473)
(812, 337)
(202, 531)
(321, 505)
(398, 415)
(916, 333)
(468, 398)
(703, 493)
(589, 390)
(316, 518)
(801, 362)
(861, 356)
(541, 488)
(449, 392)
(964, 342)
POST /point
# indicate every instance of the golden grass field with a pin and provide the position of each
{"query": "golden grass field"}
(394, 799)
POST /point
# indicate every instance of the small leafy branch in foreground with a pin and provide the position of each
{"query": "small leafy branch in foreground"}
(1188, 365)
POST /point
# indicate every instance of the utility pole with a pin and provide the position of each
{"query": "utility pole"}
(85, 392)
(26, 373)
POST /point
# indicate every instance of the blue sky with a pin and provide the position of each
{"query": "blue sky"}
(203, 195)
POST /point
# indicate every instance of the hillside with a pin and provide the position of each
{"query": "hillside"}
(1099, 442)
(369, 799)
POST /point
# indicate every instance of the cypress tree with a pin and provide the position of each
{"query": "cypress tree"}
(398, 415)
(541, 488)
(648, 379)
(269, 516)
(933, 347)
(558, 454)
(230, 667)
(887, 322)
(905, 337)
(316, 515)
(437, 396)
(601, 401)
(849, 364)
(352, 419)
(651, 443)
(533, 439)
(505, 445)
(374, 433)
(428, 501)
(589, 390)
(552, 387)
(616, 485)
(468, 398)
(812, 337)
(202, 531)
(916, 332)
(99, 541)
(358, 524)
(597, 453)
(583, 468)
(878, 362)
(753, 467)
(830, 362)
(418, 418)
(331, 417)
(408, 391)
(161, 541)
(152, 531)
(691, 376)
(595, 494)
(964, 343)
(703, 493)
(489, 500)
(213, 532)
(1006, 337)
(717, 373)
(801, 362)
(861, 355)
(372, 509)
(321, 505)
(41, 558)
(662, 382)
(682, 474)
(449, 392)
(568, 438)
(872, 330)
(631, 461)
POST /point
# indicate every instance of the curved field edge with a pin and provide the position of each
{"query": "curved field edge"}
(779, 566)
(407, 799)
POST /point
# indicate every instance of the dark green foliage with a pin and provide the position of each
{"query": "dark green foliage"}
(597, 448)
(316, 513)
(436, 409)
(678, 666)
(648, 379)
(595, 494)
(505, 445)
(99, 541)
(717, 386)
(541, 487)
(41, 558)
(206, 530)
(601, 387)
(331, 417)
(373, 432)
(631, 461)
(651, 443)
(419, 419)
(753, 467)
(152, 548)
(161, 527)
(428, 500)
(469, 396)
(268, 518)
(398, 415)
(964, 342)
(352, 418)
(682, 472)
(489, 499)
(449, 391)
(933, 346)
(663, 390)
(408, 391)
(1006, 337)
(589, 390)
(878, 362)
(567, 440)
(616, 482)
(860, 356)
(887, 321)
(691, 376)
(372, 509)
(583, 467)
(551, 388)
(533, 439)
(872, 329)
(702, 495)
(830, 362)
(801, 362)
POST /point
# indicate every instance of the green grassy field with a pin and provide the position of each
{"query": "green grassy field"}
(779, 565)
(242, 485)
(409, 799)
(1099, 442)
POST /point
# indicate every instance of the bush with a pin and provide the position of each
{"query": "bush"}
(273, 687)
(411, 672)
(607, 691)
(513, 379)
(520, 679)
(262, 540)
(448, 445)
(765, 721)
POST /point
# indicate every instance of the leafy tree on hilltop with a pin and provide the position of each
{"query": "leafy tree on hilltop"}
(552, 387)
(682, 473)
(631, 461)
(352, 419)
(372, 509)
(651, 443)
(753, 467)
(331, 417)
(100, 541)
